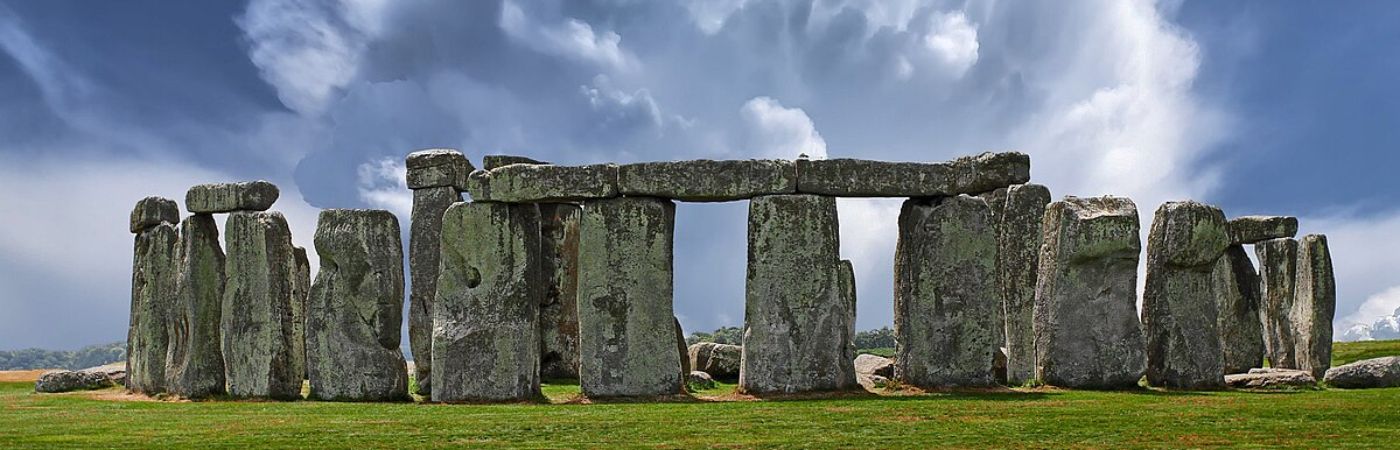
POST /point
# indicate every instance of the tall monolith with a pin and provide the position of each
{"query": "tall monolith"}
(559, 241)
(1018, 247)
(1315, 304)
(1179, 313)
(195, 364)
(425, 238)
(1278, 269)
(1235, 285)
(256, 324)
(153, 278)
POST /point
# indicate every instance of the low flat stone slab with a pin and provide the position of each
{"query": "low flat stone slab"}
(866, 178)
(1369, 373)
(152, 211)
(1270, 379)
(489, 162)
(707, 180)
(1252, 229)
(228, 197)
(867, 364)
(437, 167)
(543, 183)
(65, 380)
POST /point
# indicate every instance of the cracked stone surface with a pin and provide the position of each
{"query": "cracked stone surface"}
(708, 180)
(559, 240)
(195, 365)
(154, 272)
(229, 197)
(1018, 247)
(867, 178)
(1179, 314)
(1278, 268)
(425, 238)
(1236, 289)
(1253, 229)
(543, 183)
(1314, 305)
(256, 323)
(438, 167)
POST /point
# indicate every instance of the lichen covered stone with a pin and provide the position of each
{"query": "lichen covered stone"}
(195, 365)
(256, 321)
(489, 162)
(1087, 333)
(439, 167)
(424, 239)
(1179, 314)
(301, 291)
(866, 178)
(1278, 269)
(229, 197)
(155, 268)
(1018, 247)
(708, 180)
(152, 211)
(559, 240)
(543, 183)
(1314, 305)
(1253, 229)
(1235, 285)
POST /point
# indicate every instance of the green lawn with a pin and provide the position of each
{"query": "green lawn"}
(1041, 418)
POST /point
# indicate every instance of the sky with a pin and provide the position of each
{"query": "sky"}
(1260, 107)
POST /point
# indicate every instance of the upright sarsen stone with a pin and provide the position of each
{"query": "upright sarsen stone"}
(301, 290)
(945, 293)
(355, 310)
(1235, 285)
(1018, 247)
(486, 310)
(1087, 333)
(996, 203)
(425, 236)
(626, 321)
(256, 323)
(797, 315)
(1278, 268)
(153, 278)
(1178, 306)
(559, 240)
(1315, 303)
(195, 365)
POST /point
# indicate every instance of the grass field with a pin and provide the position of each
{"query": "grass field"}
(1043, 418)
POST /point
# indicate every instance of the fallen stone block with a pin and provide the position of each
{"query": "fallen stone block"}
(1370, 373)
(708, 180)
(945, 293)
(1253, 229)
(874, 365)
(437, 167)
(1314, 305)
(1278, 270)
(486, 344)
(256, 320)
(699, 380)
(1274, 379)
(627, 345)
(721, 361)
(1087, 333)
(354, 312)
(195, 363)
(1179, 313)
(152, 211)
(229, 197)
(65, 381)
(543, 183)
(1235, 285)
(866, 178)
(797, 315)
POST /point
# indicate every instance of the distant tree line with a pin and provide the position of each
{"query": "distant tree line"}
(869, 339)
(90, 356)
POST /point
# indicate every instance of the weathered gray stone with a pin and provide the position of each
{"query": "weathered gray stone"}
(1271, 380)
(699, 380)
(1087, 333)
(256, 321)
(626, 321)
(721, 361)
(153, 277)
(559, 240)
(681, 349)
(945, 293)
(425, 236)
(874, 365)
(1278, 268)
(152, 211)
(865, 178)
(64, 381)
(846, 286)
(228, 197)
(543, 183)
(1314, 304)
(996, 203)
(1178, 305)
(797, 312)
(871, 381)
(1018, 247)
(486, 311)
(354, 312)
(439, 167)
(489, 162)
(194, 365)
(301, 292)
(1235, 285)
(1368, 373)
(708, 180)
(999, 365)
(1252, 229)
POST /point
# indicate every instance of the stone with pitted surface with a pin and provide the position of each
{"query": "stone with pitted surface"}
(721, 361)
(301, 291)
(195, 364)
(1018, 247)
(1179, 313)
(425, 236)
(1380, 372)
(866, 178)
(152, 211)
(1278, 268)
(489, 162)
(1235, 286)
(708, 180)
(1271, 379)
(559, 240)
(256, 317)
(1087, 333)
(543, 183)
(1314, 305)
(154, 273)
(1253, 229)
(229, 197)
(66, 380)
(439, 167)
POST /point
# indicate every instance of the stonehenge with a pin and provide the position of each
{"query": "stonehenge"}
(554, 271)
(1179, 314)
(1087, 333)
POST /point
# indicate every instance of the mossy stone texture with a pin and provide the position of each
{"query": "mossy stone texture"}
(1179, 314)
(256, 324)
(195, 363)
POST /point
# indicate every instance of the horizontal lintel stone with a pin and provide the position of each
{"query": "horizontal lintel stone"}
(228, 197)
(866, 178)
(489, 162)
(708, 180)
(543, 183)
(1254, 229)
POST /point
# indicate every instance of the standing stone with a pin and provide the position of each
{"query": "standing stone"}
(945, 293)
(1087, 333)
(559, 240)
(301, 290)
(354, 313)
(153, 279)
(486, 311)
(1235, 285)
(1278, 268)
(256, 323)
(797, 317)
(996, 204)
(425, 236)
(1315, 303)
(1018, 247)
(1178, 306)
(846, 283)
(682, 350)
(625, 316)
(195, 365)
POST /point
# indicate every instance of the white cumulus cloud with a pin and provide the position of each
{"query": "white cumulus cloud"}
(776, 131)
